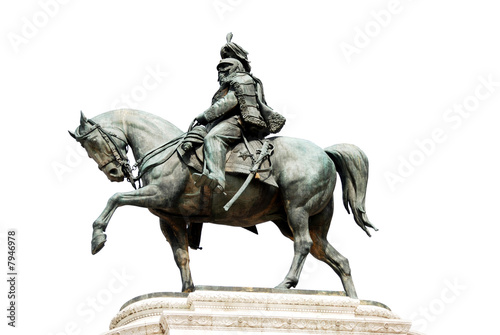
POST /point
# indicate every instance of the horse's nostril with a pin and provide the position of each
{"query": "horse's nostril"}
(113, 172)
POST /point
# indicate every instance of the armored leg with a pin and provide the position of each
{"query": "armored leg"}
(217, 142)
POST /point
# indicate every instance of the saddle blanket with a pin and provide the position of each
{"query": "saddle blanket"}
(238, 160)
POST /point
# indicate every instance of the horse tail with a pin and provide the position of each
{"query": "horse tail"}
(352, 166)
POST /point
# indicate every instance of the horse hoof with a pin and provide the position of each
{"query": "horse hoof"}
(98, 243)
(283, 286)
(286, 285)
(188, 289)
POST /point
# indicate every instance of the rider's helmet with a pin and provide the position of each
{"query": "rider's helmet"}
(228, 66)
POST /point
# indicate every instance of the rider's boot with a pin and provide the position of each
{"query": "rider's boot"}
(215, 158)
(217, 143)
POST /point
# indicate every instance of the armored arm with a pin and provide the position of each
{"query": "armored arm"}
(219, 108)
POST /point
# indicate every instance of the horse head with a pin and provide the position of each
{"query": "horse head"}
(106, 148)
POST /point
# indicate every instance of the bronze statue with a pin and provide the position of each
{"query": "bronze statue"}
(291, 180)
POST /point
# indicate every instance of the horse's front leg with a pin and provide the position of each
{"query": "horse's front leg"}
(175, 231)
(148, 196)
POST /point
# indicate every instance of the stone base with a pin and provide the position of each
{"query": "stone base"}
(250, 311)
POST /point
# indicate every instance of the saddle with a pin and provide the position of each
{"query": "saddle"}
(239, 159)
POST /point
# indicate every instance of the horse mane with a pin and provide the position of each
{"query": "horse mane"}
(163, 126)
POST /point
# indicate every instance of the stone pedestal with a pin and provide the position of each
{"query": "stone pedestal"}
(219, 310)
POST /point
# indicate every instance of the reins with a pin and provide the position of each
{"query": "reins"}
(150, 154)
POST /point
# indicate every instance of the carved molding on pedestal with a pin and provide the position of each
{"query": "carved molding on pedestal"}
(147, 308)
(272, 323)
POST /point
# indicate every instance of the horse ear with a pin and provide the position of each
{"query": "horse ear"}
(72, 134)
(83, 120)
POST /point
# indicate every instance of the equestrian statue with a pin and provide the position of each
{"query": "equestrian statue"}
(227, 170)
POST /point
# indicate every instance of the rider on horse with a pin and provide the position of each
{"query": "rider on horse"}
(238, 110)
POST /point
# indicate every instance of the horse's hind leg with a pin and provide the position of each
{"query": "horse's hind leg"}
(298, 220)
(323, 250)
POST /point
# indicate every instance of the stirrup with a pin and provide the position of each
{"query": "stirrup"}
(202, 179)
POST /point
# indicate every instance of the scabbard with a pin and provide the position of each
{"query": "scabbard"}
(263, 153)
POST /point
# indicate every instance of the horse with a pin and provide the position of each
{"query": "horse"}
(301, 206)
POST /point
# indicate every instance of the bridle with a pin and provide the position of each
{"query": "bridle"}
(118, 157)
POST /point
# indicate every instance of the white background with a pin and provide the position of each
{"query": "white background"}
(434, 258)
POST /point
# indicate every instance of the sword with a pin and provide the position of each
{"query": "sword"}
(263, 153)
